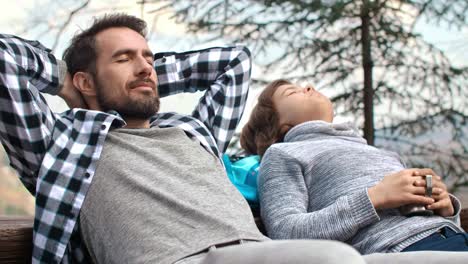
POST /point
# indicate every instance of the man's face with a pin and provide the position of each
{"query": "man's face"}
(125, 80)
(296, 105)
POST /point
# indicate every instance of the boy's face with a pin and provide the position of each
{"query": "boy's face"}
(125, 78)
(296, 105)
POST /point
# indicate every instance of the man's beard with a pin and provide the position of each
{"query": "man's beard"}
(129, 107)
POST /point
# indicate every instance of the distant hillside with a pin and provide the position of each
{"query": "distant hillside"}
(14, 198)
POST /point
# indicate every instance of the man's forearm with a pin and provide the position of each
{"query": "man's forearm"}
(31, 61)
(197, 70)
(27, 68)
(224, 75)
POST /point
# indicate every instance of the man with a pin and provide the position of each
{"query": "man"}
(117, 182)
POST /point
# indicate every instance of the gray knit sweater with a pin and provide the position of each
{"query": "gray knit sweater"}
(314, 185)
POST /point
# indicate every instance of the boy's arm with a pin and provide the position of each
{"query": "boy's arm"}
(26, 122)
(222, 73)
(284, 202)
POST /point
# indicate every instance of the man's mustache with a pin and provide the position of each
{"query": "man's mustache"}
(142, 82)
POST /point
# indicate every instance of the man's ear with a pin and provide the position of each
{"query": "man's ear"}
(84, 82)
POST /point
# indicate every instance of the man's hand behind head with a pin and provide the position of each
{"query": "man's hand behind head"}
(71, 94)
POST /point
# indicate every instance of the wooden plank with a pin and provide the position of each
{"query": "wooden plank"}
(15, 239)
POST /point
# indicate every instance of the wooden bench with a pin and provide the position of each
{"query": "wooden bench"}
(16, 237)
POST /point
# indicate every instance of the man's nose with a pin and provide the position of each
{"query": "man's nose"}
(143, 68)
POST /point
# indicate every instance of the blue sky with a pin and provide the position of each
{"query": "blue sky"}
(451, 40)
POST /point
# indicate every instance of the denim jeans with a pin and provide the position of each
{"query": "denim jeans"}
(443, 240)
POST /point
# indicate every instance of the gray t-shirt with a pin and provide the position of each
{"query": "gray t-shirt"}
(159, 196)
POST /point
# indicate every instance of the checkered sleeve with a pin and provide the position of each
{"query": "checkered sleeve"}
(222, 73)
(26, 122)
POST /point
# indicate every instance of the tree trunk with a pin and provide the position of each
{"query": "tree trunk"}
(367, 66)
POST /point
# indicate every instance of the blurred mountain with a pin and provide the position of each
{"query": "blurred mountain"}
(14, 198)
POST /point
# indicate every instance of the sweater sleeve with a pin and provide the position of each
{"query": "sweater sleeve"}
(284, 201)
(455, 218)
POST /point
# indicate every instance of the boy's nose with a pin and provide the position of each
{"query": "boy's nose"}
(309, 88)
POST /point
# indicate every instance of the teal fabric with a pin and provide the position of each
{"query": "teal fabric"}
(243, 174)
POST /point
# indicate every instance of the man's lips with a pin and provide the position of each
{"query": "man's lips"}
(143, 84)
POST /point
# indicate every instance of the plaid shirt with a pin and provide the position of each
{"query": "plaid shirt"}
(56, 155)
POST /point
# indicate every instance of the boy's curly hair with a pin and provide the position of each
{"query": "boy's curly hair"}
(263, 128)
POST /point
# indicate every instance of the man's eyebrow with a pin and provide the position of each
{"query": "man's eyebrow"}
(122, 52)
(148, 53)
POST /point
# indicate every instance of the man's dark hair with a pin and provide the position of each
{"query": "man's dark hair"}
(81, 54)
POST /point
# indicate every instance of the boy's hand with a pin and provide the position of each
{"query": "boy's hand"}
(401, 188)
(443, 204)
(71, 95)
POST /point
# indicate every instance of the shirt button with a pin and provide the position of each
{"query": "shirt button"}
(87, 175)
(163, 60)
(103, 127)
